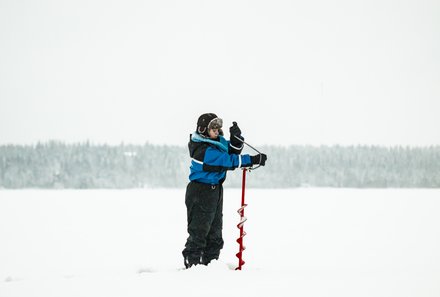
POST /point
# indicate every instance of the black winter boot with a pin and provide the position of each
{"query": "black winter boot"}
(190, 261)
(207, 260)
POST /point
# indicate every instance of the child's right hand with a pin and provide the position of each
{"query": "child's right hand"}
(259, 159)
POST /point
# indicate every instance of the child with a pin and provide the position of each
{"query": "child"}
(211, 156)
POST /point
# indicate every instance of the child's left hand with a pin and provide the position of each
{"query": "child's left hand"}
(234, 130)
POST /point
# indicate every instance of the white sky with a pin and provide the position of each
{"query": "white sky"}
(289, 72)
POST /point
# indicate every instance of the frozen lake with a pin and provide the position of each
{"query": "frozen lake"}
(300, 242)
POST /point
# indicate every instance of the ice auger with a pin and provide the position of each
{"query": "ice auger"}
(240, 211)
(243, 219)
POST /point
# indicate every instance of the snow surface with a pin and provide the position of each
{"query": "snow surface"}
(300, 242)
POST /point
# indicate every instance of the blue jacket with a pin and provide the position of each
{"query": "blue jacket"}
(212, 158)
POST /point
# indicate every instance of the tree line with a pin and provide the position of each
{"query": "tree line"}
(57, 165)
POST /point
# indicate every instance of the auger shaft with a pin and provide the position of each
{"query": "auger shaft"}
(243, 219)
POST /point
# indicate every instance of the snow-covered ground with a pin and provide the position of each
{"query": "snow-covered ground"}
(300, 242)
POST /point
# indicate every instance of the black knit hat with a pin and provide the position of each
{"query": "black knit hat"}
(209, 121)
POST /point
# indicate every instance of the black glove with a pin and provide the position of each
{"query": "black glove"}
(234, 130)
(259, 159)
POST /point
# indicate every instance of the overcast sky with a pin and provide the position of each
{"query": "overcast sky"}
(289, 72)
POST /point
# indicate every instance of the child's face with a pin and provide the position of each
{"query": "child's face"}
(213, 133)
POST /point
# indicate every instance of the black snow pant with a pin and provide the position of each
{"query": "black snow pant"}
(204, 204)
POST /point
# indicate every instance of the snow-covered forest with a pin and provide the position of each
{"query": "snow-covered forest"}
(87, 166)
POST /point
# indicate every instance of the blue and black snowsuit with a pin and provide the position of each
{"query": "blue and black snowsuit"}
(204, 195)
